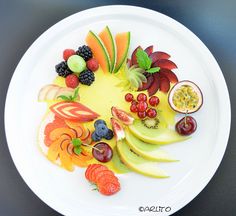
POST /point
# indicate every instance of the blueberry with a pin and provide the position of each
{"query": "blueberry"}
(109, 135)
(101, 130)
(99, 121)
(95, 137)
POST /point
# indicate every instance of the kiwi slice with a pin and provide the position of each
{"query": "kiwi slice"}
(151, 123)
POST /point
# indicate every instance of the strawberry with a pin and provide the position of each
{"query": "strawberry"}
(72, 81)
(68, 53)
(92, 64)
(107, 183)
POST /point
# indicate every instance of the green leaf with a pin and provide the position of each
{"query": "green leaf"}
(153, 70)
(76, 93)
(63, 97)
(76, 142)
(143, 60)
(77, 150)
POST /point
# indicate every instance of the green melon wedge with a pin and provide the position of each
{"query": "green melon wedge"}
(99, 51)
(137, 163)
(122, 45)
(161, 135)
(109, 42)
(146, 150)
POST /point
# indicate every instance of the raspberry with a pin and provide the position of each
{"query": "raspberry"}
(68, 53)
(72, 81)
(92, 64)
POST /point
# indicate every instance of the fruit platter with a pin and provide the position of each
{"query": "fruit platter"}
(110, 112)
(101, 110)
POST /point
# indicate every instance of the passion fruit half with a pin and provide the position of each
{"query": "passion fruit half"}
(185, 97)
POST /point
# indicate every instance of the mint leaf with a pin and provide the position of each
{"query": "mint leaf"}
(76, 142)
(63, 97)
(153, 70)
(77, 150)
(143, 60)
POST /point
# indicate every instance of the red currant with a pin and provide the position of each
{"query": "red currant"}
(129, 97)
(134, 102)
(142, 106)
(133, 108)
(141, 115)
(154, 101)
(151, 113)
(142, 97)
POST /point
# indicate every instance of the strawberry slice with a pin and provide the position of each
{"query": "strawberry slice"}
(155, 85)
(94, 166)
(95, 171)
(88, 171)
(106, 179)
(169, 74)
(165, 63)
(102, 173)
(109, 188)
(134, 57)
(164, 84)
(149, 50)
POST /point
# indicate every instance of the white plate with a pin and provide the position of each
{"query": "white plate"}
(70, 193)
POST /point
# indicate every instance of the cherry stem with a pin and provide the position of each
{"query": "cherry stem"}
(85, 144)
(185, 119)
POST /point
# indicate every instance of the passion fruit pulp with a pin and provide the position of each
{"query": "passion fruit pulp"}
(185, 97)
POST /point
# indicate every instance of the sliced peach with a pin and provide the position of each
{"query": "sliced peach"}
(78, 127)
(58, 132)
(66, 161)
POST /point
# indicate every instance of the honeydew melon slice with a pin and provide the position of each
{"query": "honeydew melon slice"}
(137, 163)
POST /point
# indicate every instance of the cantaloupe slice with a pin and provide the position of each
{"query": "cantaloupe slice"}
(99, 51)
(122, 46)
(109, 42)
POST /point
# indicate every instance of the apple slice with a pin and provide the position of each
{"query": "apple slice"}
(164, 84)
(165, 63)
(52, 93)
(128, 62)
(134, 57)
(149, 50)
(169, 74)
(155, 85)
(44, 90)
(146, 85)
(73, 111)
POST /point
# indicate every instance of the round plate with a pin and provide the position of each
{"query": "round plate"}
(69, 193)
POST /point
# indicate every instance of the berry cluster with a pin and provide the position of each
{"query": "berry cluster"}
(78, 66)
(141, 105)
(101, 131)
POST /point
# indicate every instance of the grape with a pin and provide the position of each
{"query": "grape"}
(76, 63)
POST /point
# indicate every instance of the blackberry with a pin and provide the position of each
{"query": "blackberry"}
(85, 52)
(62, 69)
(86, 77)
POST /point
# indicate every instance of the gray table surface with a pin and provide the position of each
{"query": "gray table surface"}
(213, 21)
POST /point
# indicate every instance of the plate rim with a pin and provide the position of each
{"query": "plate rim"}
(217, 156)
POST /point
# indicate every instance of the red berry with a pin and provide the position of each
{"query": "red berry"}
(154, 101)
(129, 97)
(141, 115)
(151, 113)
(133, 108)
(72, 81)
(142, 106)
(92, 64)
(142, 97)
(134, 102)
(67, 53)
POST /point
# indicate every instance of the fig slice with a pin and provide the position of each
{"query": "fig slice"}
(164, 84)
(165, 63)
(149, 50)
(185, 97)
(146, 85)
(134, 57)
(169, 74)
(122, 115)
(117, 129)
(155, 85)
